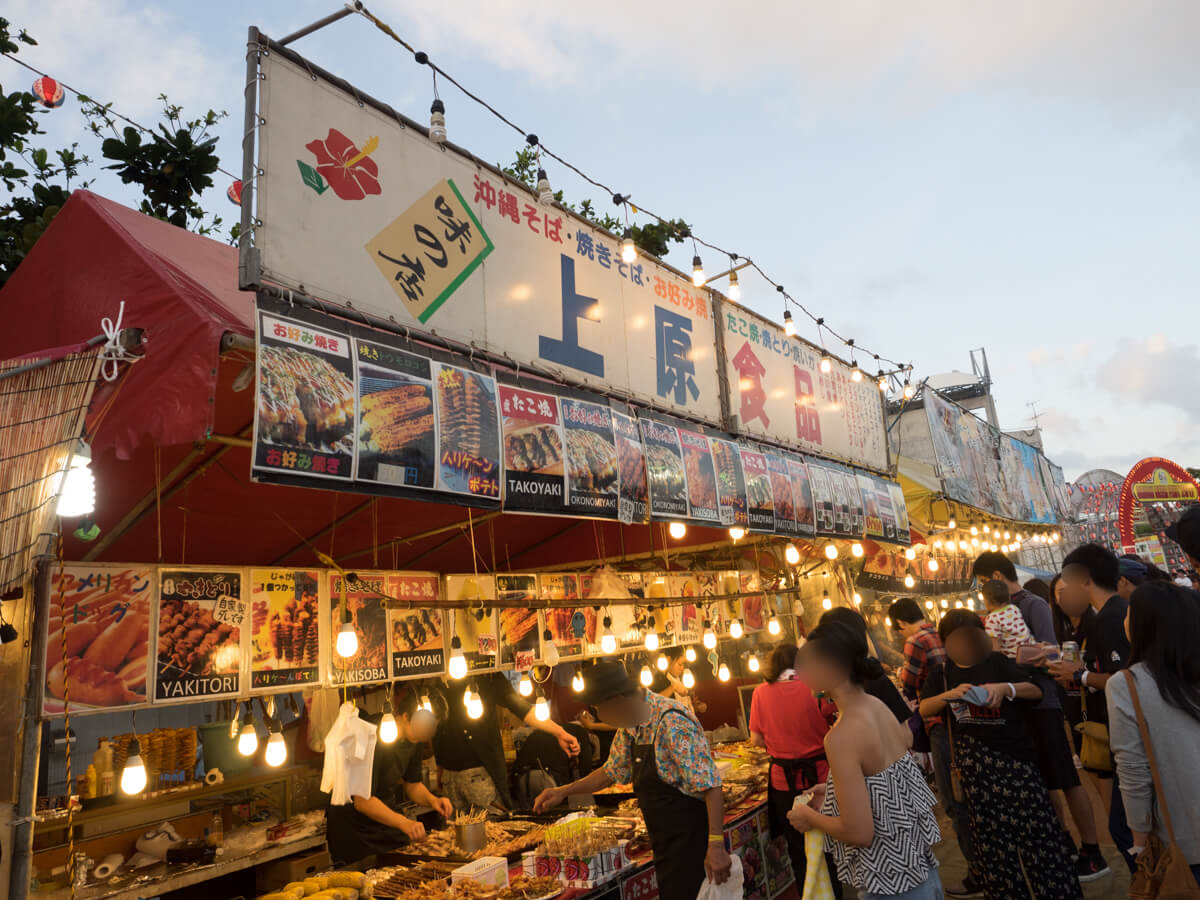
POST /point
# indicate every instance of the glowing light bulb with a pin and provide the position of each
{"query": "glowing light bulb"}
(646, 677)
(753, 664)
(945, 604)
(688, 679)
(958, 604)
(710, 638)
(952, 523)
(577, 683)
(910, 553)
(933, 565)
(1007, 536)
(887, 621)
(735, 629)
(628, 248)
(474, 705)
(831, 551)
(909, 391)
(550, 654)
(773, 626)
(974, 531)
(857, 598)
(937, 544)
(974, 542)
(425, 703)
(737, 532)
(882, 382)
(856, 549)
(791, 554)
(662, 663)
(457, 667)
(276, 754)
(651, 642)
(909, 581)
(525, 686)
(723, 672)
(856, 375)
(929, 604)
(826, 603)
(77, 497)
(826, 364)
(544, 191)
(987, 529)
(541, 709)
(133, 776)
(247, 743)
(690, 654)
(347, 641)
(963, 545)
(698, 278)
(789, 324)
(608, 641)
(677, 530)
(735, 289)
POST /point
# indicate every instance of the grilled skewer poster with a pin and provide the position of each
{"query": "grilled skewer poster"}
(572, 628)
(631, 460)
(105, 611)
(285, 632)
(533, 450)
(760, 497)
(468, 431)
(701, 476)
(520, 637)
(304, 419)
(201, 618)
(731, 482)
(417, 634)
(591, 459)
(396, 436)
(475, 626)
(366, 610)
(664, 468)
(856, 503)
(782, 495)
(804, 496)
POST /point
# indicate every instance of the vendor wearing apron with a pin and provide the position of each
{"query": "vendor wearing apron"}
(371, 825)
(661, 748)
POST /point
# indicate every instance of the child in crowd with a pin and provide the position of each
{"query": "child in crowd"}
(1005, 624)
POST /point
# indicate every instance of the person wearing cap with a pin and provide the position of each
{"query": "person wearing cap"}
(660, 747)
(370, 825)
(1186, 533)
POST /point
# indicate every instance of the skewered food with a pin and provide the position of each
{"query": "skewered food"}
(467, 411)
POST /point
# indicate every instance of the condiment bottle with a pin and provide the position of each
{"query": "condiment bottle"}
(93, 782)
(102, 759)
(216, 831)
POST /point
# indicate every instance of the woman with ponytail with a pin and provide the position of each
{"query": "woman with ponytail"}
(875, 808)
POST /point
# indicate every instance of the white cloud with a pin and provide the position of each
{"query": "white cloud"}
(1153, 371)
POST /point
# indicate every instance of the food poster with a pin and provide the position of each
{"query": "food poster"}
(841, 501)
(397, 440)
(824, 500)
(724, 611)
(622, 614)
(760, 497)
(731, 483)
(887, 510)
(366, 605)
(591, 459)
(102, 612)
(701, 476)
(874, 526)
(660, 587)
(632, 493)
(304, 418)
(850, 482)
(416, 634)
(285, 632)
(744, 842)
(520, 637)
(783, 503)
(468, 432)
(803, 493)
(533, 451)
(754, 605)
(572, 628)
(900, 509)
(202, 616)
(664, 469)
(687, 617)
(476, 627)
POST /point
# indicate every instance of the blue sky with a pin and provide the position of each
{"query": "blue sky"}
(931, 177)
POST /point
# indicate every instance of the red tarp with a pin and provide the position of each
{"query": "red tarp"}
(182, 289)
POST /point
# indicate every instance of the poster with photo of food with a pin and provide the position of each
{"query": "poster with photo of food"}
(701, 476)
(397, 441)
(202, 615)
(632, 493)
(841, 500)
(572, 628)
(687, 616)
(760, 496)
(304, 419)
(857, 523)
(900, 511)
(873, 519)
(783, 503)
(285, 627)
(533, 450)
(365, 597)
(664, 468)
(731, 483)
(417, 633)
(468, 432)
(598, 589)
(802, 492)
(476, 627)
(102, 614)
(824, 500)
(591, 459)
(754, 604)
(520, 637)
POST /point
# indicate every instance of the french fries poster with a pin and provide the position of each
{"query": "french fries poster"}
(285, 627)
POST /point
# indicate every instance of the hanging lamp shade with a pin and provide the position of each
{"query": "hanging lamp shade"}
(49, 92)
(234, 193)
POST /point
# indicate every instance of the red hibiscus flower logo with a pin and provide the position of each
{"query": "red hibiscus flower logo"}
(348, 170)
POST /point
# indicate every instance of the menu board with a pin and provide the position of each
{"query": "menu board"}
(591, 459)
(520, 637)
(824, 500)
(760, 495)
(572, 628)
(731, 483)
(97, 648)
(201, 619)
(533, 450)
(397, 441)
(802, 492)
(687, 618)
(783, 503)
(664, 469)
(366, 608)
(701, 476)
(468, 432)
(632, 503)
(285, 632)
(476, 627)
(416, 634)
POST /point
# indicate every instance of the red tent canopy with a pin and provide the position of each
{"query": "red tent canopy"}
(165, 492)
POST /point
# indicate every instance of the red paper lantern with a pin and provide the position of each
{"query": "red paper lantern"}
(49, 92)
(234, 193)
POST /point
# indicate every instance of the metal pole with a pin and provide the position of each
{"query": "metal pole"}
(42, 363)
(348, 9)
(248, 259)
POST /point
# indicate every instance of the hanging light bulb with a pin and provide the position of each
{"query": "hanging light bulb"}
(662, 663)
(958, 604)
(857, 598)
(937, 544)
(945, 604)
(933, 564)
(1007, 536)
(77, 496)
(457, 666)
(690, 654)
(737, 532)
(856, 374)
(826, 603)
(388, 731)
(929, 604)
(425, 703)
(437, 122)
(688, 679)
(541, 709)
(235, 725)
(735, 629)
(133, 776)
(646, 677)
(347, 641)
(474, 704)
(910, 553)
(826, 364)
(710, 638)
(974, 542)
(550, 654)
(952, 523)
(544, 191)
(577, 682)
(909, 390)
(723, 672)
(791, 554)
(735, 289)
(651, 642)
(773, 626)
(963, 545)
(628, 248)
(698, 278)
(909, 581)
(831, 551)
(974, 530)
(752, 663)
(789, 324)
(987, 529)
(276, 754)
(882, 381)
(677, 530)
(856, 549)
(525, 686)
(247, 742)
(608, 641)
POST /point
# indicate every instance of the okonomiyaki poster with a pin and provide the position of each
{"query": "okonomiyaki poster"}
(285, 614)
(701, 476)
(664, 468)
(591, 459)
(468, 432)
(533, 450)
(417, 634)
(783, 501)
(397, 442)
(519, 633)
(731, 482)
(304, 418)
(760, 497)
(631, 462)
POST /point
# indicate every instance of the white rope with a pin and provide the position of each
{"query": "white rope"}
(112, 354)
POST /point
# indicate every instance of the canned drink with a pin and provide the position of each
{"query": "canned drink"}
(1070, 651)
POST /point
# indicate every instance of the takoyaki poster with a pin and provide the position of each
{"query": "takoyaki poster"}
(468, 432)
(572, 628)
(731, 483)
(591, 459)
(760, 497)
(202, 615)
(102, 615)
(533, 450)
(397, 440)
(304, 420)
(416, 634)
(520, 639)
(664, 468)
(285, 627)
(783, 501)
(366, 609)
(632, 497)
(701, 476)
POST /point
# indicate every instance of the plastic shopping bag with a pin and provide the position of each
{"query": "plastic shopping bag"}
(817, 884)
(730, 890)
